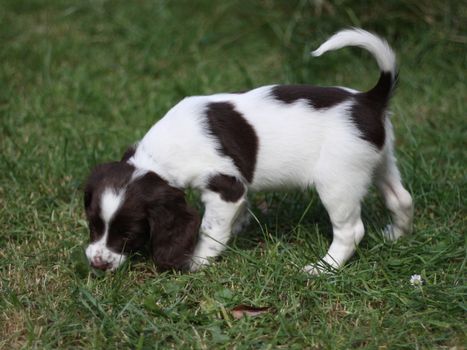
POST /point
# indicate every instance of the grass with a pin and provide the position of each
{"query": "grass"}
(81, 80)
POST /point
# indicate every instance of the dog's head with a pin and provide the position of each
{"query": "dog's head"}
(128, 209)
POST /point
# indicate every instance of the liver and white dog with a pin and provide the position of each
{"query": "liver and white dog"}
(279, 136)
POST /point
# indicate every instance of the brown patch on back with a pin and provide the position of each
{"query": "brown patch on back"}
(317, 97)
(237, 138)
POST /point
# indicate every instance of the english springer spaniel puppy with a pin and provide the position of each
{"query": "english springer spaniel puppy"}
(280, 136)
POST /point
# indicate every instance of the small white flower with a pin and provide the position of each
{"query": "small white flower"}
(416, 280)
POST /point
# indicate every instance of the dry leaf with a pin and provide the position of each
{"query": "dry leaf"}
(246, 310)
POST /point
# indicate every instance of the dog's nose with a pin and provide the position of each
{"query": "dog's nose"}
(99, 264)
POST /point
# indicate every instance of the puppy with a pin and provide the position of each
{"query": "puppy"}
(280, 136)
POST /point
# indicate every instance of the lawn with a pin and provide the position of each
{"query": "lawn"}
(82, 80)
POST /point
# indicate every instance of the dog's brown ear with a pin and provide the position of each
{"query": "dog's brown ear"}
(174, 228)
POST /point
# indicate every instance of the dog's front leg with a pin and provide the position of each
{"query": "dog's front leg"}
(216, 227)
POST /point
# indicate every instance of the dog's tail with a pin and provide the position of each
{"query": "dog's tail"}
(378, 47)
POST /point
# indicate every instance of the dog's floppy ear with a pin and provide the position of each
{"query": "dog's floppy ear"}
(173, 226)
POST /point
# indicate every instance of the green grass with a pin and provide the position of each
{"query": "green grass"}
(81, 80)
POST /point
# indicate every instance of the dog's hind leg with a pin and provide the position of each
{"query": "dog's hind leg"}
(341, 190)
(398, 200)
(348, 231)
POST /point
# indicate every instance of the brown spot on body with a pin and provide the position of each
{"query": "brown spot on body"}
(316, 97)
(368, 111)
(230, 188)
(237, 138)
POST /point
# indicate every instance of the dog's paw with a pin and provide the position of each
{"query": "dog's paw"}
(316, 269)
(198, 263)
(392, 233)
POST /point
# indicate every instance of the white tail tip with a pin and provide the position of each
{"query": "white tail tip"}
(317, 53)
(377, 46)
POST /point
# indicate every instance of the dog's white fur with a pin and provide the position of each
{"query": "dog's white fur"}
(298, 147)
(358, 37)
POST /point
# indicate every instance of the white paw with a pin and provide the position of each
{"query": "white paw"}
(392, 233)
(316, 269)
(197, 263)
